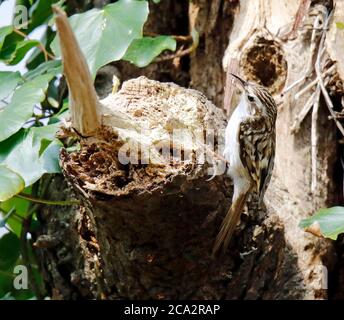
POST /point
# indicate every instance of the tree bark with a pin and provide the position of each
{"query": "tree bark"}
(143, 232)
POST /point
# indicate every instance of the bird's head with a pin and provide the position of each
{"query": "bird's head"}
(257, 97)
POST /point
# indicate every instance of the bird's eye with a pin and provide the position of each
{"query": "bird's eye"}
(250, 98)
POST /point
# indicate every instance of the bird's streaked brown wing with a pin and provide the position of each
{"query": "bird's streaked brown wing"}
(257, 151)
(266, 172)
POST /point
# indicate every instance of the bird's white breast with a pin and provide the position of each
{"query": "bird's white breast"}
(232, 148)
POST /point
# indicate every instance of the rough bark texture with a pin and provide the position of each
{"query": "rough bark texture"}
(173, 264)
(147, 232)
(154, 240)
(265, 55)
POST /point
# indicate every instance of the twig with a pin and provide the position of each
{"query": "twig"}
(176, 37)
(301, 116)
(330, 104)
(339, 115)
(3, 221)
(321, 84)
(321, 81)
(294, 84)
(178, 54)
(304, 111)
(313, 83)
(40, 46)
(314, 140)
(313, 47)
(38, 118)
(301, 13)
(10, 214)
(48, 202)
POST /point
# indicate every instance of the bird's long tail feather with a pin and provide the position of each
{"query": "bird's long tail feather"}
(229, 224)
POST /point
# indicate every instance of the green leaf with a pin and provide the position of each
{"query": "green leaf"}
(15, 48)
(340, 25)
(9, 46)
(8, 82)
(46, 132)
(7, 296)
(6, 284)
(53, 67)
(61, 115)
(23, 153)
(105, 35)
(37, 56)
(40, 13)
(9, 251)
(142, 51)
(4, 32)
(24, 160)
(11, 183)
(20, 109)
(21, 207)
(50, 157)
(330, 221)
(21, 50)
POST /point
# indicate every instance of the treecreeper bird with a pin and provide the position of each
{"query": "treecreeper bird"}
(250, 150)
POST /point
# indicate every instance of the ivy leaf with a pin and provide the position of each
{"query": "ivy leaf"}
(53, 67)
(340, 25)
(11, 183)
(46, 132)
(40, 13)
(23, 153)
(16, 50)
(37, 57)
(21, 207)
(50, 157)
(105, 35)
(8, 82)
(4, 32)
(326, 222)
(20, 109)
(9, 251)
(20, 51)
(142, 51)
(6, 284)
(7, 296)
(24, 158)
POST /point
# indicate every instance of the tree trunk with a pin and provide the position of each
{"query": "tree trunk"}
(146, 231)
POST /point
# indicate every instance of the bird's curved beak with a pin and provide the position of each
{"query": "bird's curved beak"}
(241, 81)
